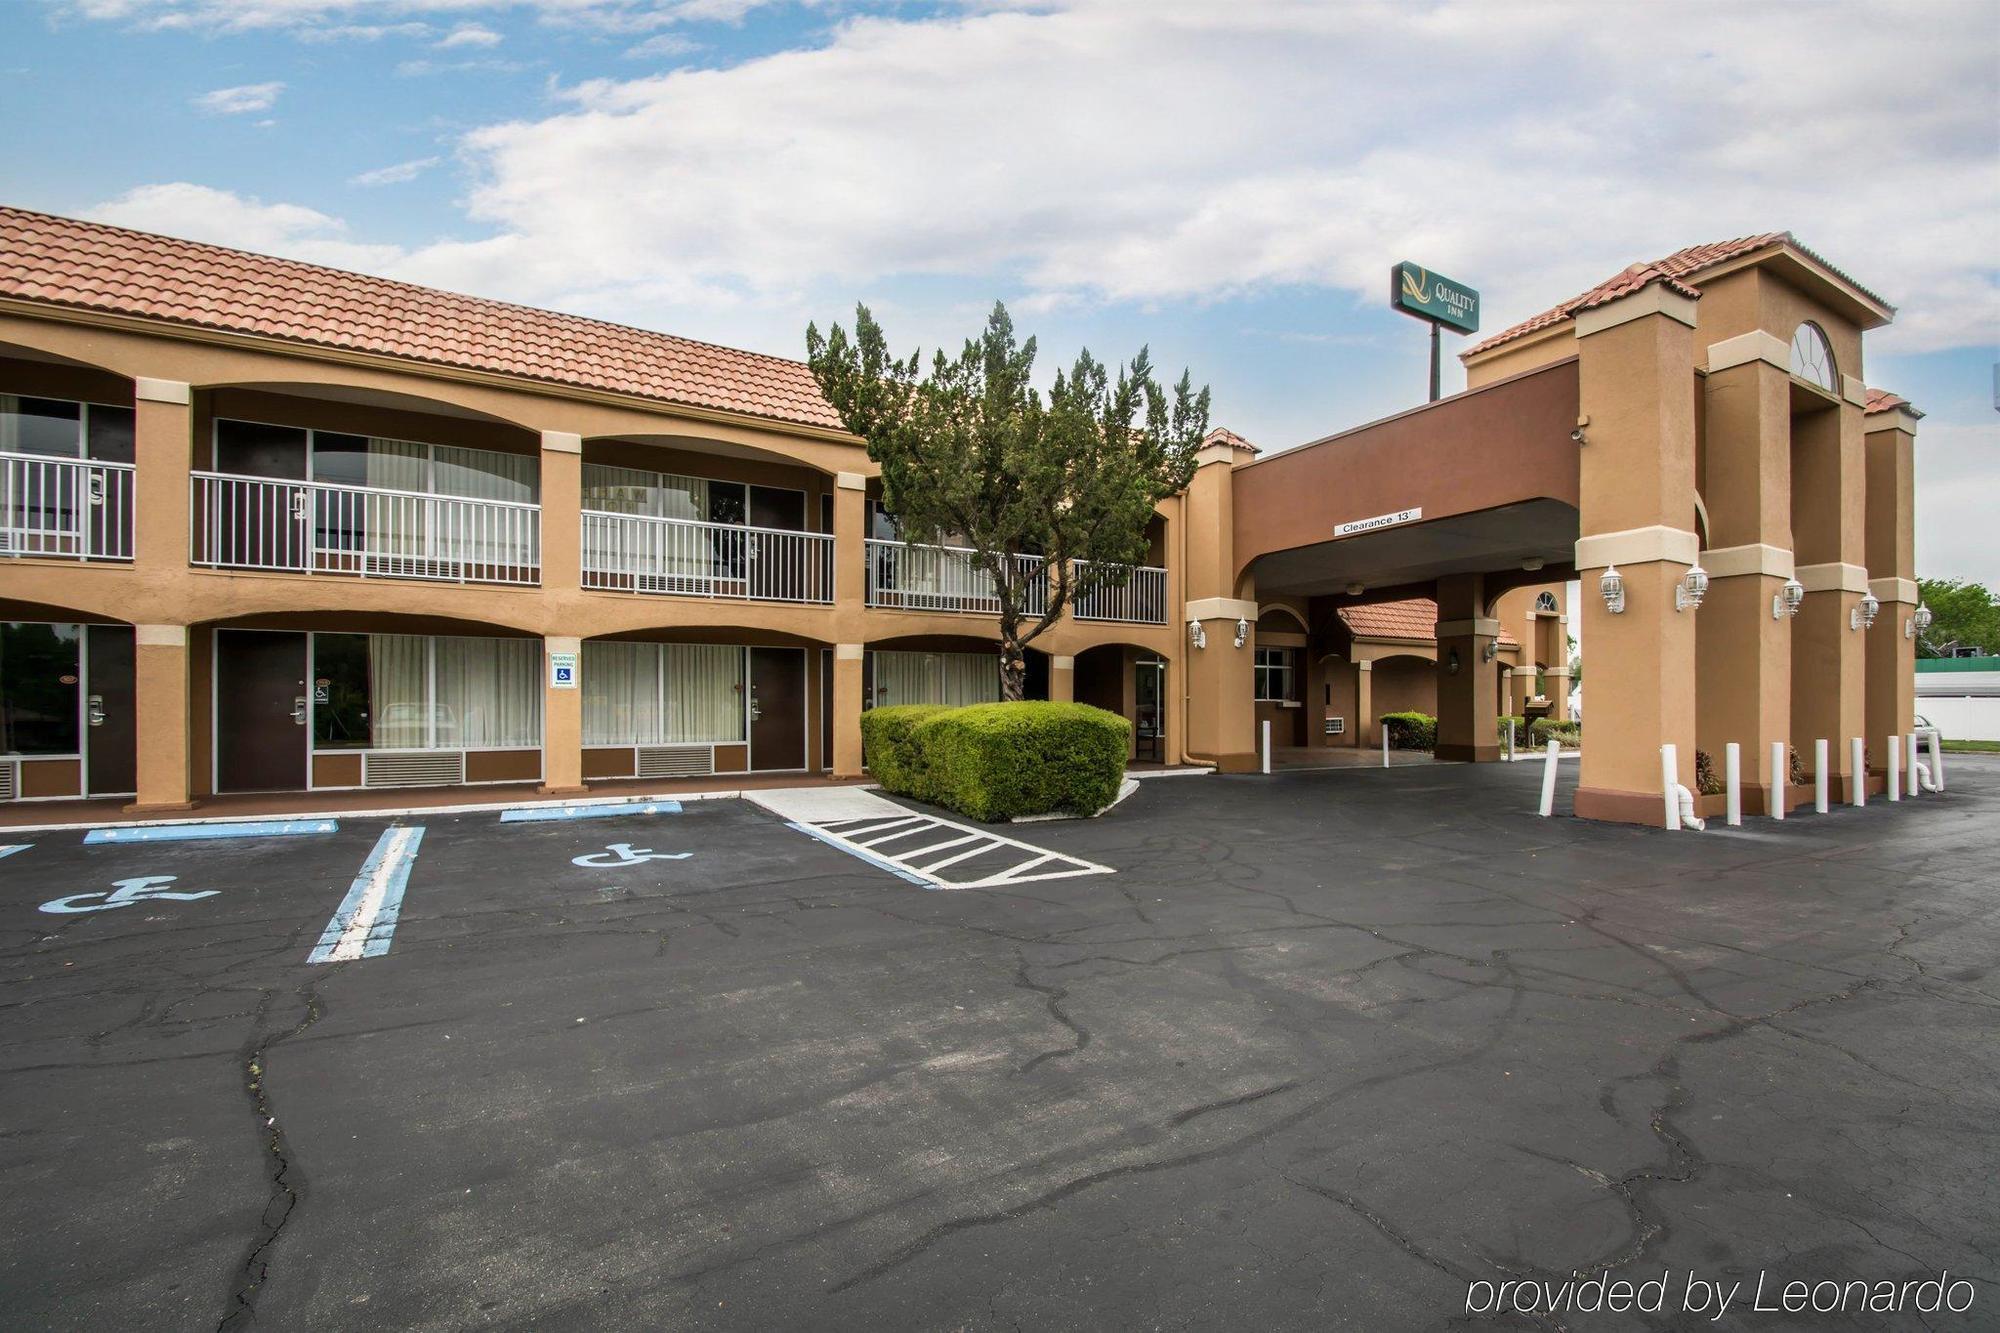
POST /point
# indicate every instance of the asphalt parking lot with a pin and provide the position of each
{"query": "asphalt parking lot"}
(1326, 1048)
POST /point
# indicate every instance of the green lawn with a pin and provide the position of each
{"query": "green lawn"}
(1972, 747)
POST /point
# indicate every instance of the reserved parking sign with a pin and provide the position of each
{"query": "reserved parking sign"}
(562, 671)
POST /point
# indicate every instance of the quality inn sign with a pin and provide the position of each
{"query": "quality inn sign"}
(1417, 291)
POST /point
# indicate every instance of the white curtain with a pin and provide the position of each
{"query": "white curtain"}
(969, 678)
(953, 679)
(647, 548)
(489, 692)
(399, 691)
(482, 474)
(621, 693)
(701, 685)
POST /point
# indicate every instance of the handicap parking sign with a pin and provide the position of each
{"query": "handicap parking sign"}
(562, 670)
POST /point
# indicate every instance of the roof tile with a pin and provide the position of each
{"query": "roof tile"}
(1413, 618)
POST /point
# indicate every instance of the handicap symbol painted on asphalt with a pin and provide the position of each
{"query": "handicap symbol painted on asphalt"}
(125, 893)
(625, 854)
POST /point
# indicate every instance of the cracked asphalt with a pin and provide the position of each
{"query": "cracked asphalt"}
(1328, 1047)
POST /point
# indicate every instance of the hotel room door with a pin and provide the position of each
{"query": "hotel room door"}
(777, 709)
(261, 732)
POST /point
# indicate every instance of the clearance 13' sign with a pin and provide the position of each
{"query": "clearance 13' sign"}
(1379, 521)
(1416, 290)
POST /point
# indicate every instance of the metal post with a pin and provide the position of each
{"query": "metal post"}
(1910, 769)
(1267, 747)
(1669, 773)
(1732, 774)
(1822, 781)
(1781, 779)
(1435, 380)
(1895, 768)
(1857, 782)
(1549, 779)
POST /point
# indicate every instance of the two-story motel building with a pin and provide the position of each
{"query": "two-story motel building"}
(275, 528)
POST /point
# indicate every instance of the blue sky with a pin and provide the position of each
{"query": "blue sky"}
(1228, 182)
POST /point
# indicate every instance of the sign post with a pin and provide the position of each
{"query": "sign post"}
(1438, 301)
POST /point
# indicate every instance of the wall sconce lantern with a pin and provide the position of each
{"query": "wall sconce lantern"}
(1242, 631)
(1197, 635)
(1691, 589)
(1490, 651)
(1917, 623)
(1451, 663)
(1612, 584)
(1788, 599)
(1864, 612)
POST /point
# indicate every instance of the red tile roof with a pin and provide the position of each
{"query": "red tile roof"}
(1223, 435)
(1673, 271)
(1415, 618)
(1881, 400)
(92, 266)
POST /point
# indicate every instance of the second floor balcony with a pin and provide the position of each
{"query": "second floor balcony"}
(689, 558)
(75, 509)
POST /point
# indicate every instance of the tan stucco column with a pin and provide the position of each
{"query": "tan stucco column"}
(847, 700)
(162, 453)
(1364, 703)
(1062, 680)
(850, 554)
(1745, 653)
(562, 719)
(160, 706)
(1221, 725)
(1890, 447)
(562, 512)
(1558, 691)
(1636, 387)
(1468, 688)
(1829, 654)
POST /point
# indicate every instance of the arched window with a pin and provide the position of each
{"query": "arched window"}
(1812, 357)
(1546, 602)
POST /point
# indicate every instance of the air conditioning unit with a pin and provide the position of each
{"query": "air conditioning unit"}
(10, 781)
(1336, 726)
(418, 768)
(675, 761)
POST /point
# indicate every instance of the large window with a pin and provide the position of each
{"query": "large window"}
(1812, 357)
(422, 692)
(1275, 678)
(936, 678)
(258, 450)
(662, 694)
(55, 428)
(631, 490)
(39, 670)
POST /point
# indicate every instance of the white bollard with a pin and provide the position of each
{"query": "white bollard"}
(1670, 768)
(1510, 741)
(1910, 768)
(1781, 779)
(1822, 779)
(1895, 768)
(1267, 747)
(1857, 763)
(1385, 745)
(1549, 778)
(1937, 758)
(1732, 775)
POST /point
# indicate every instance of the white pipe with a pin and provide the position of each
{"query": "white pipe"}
(1895, 768)
(1688, 817)
(1732, 776)
(1781, 780)
(1857, 764)
(1822, 779)
(1549, 779)
(1910, 768)
(1937, 757)
(1267, 747)
(1670, 771)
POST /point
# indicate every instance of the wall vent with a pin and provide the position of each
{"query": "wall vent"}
(675, 761)
(10, 781)
(1336, 726)
(420, 768)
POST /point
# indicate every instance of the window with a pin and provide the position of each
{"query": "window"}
(1812, 357)
(39, 670)
(935, 678)
(55, 428)
(1274, 676)
(662, 694)
(255, 449)
(420, 692)
(631, 490)
(1546, 602)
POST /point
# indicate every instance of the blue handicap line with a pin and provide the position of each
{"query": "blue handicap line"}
(862, 854)
(276, 828)
(605, 810)
(16, 847)
(364, 924)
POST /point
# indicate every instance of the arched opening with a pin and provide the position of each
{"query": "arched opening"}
(1812, 358)
(1131, 681)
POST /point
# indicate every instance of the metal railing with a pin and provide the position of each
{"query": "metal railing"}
(363, 531)
(1140, 600)
(76, 509)
(943, 578)
(683, 558)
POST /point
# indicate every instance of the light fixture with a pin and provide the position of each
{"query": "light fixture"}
(1864, 612)
(1356, 589)
(1691, 589)
(1612, 584)
(1197, 635)
(1788, 599)
(1490, 651)
(1918, 623)
(1242, 631)
(1577, 436)
(1531, 566)
(1451, 663)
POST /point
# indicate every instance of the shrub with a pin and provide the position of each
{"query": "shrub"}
(888, 744)
(1706, 781)
(1797, 767)
(1411, 731)
(1000, 761)
(1546, 729)
(1520, 730)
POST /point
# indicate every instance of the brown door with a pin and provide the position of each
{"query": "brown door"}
(777, 708)
(260, 700)
(781, 568)
(113, 736)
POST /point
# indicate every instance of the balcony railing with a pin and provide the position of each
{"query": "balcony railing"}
(78, 510)
(682, 558)
(942, 578)
(1141, 600)
(307, 527)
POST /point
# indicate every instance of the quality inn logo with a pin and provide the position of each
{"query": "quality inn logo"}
(1417, 285)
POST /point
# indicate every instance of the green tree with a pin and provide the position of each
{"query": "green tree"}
(1962, 613)
(971, 451)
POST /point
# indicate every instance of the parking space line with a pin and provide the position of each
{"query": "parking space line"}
(16, 847)
(272, 828)
(986, 845)
(860, 853)
(605, 810)
(365, 923)
(911, 857)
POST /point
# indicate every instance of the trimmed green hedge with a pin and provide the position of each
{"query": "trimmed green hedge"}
(1411, 731)
(1547, 729)
(1520, 729)
(1000, 761)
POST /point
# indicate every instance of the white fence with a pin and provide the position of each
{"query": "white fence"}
(316, 528)
(943, 578)
(64, 507)
(683, 558)
(1141, 600)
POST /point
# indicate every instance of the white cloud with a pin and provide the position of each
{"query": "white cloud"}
(663, 45)
(395, 174)
(203, 214)
(469, 35)
(240, 100)
(324, 19)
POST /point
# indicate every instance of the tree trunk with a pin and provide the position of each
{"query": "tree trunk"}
(1013, 671)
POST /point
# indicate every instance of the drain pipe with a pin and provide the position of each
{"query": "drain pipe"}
(1679, 801)
(1926, 774)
